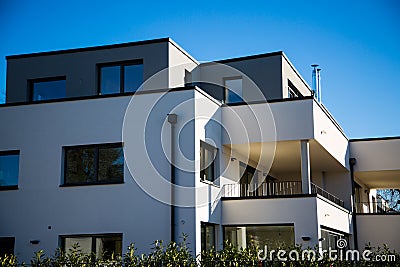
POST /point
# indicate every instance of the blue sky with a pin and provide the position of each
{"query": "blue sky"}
(356, 43)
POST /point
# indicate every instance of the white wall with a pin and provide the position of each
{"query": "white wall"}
(40, 131)
(329, 136)
(179, 61)
(300, 211)
(378, 230)
(376, 155)
(290, 73)
(281, 121)
(334, 217)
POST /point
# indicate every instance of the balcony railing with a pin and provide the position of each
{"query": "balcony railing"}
(318, 190)
(264, 189)
(286, 188)
(377, 207)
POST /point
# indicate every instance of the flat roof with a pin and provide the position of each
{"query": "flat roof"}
(375, 138)
(92, 48)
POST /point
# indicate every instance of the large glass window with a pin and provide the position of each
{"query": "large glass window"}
(329, 239)
(120, 78)
(233, 90)
(103, 246)
(9, 169)
(6, 246)
(94, 164)
(208, 155)
(207, 236)
(273, 236)
(48, 88)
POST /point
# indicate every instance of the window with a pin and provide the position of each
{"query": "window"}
(274, 236)
(94, 164)
(208, 155)
(48, 88)
(233, 89)
(120, 78)
(293, 92)
(103, 246)
(207, 236)
(329, 239)
(9, 169)
(6, 246)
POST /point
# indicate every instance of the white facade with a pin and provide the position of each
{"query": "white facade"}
(295, 143)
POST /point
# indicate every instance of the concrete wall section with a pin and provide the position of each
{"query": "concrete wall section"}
(40, 131)
(334, 217)
(378, 230)
(329, 136)
(300, 211)
(180, 64)
(376, 155)
(289, 73)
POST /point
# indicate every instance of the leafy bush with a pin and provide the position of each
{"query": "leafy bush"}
(179, 255)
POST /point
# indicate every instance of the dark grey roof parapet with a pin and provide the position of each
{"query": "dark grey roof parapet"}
(93, 48)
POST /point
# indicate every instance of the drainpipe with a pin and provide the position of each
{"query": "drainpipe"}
(353, 162)
(172, 119)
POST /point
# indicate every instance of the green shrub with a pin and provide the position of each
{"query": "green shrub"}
(179, 255)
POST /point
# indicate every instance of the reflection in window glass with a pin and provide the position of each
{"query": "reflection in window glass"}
(111, 164)
(234, 91)
(272, 236)
(104, 246)
(85, 244)
(120, 78)
(80, 165)
(110, 80)
(208, 155)
(9, 168)
(46, 90)
(207, 236)
(94, 164)
(133, 77)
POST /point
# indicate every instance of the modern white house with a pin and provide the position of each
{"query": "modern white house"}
(136, 142)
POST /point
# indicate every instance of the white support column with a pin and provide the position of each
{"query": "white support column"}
(305, 166)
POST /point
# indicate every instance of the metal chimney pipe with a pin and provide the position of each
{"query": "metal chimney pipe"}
(315, 80)
(319, 85)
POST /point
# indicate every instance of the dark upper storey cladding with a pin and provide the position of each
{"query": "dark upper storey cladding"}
(272, 73)
(80, 66)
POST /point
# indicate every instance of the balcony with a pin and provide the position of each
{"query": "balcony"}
(377, 207)
(275, 189)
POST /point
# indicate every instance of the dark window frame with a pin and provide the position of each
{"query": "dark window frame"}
(226, 89)
(293, 92)
(92, 236)
(203, 236)
(44, 79)
(96, 164)
(11, 153)
(213, 165)
(122, 65)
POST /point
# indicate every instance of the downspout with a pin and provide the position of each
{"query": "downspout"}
(172, 119)
(353, 162)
